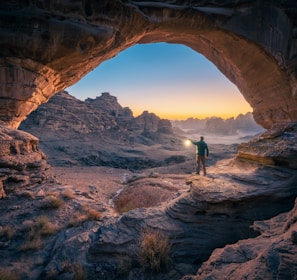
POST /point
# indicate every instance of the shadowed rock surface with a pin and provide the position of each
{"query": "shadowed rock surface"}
(269, 256)
(220, 209)
(48, 46)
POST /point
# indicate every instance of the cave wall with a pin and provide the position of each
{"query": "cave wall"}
(47, 46)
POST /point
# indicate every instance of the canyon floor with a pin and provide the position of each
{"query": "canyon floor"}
(34, 218)
(86, 222)
(110, 182)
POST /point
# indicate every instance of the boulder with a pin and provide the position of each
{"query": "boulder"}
(22, 164)
(277, 146)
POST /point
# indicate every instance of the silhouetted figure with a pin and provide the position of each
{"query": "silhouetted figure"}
(201, 152)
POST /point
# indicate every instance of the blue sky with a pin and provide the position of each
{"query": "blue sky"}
(170, 80)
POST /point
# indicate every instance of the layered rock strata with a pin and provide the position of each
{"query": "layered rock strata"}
(219, 210)
(277, 146)
(49, 45)
(22, 164)
(269, 256)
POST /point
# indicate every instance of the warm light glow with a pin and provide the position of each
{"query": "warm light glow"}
(187, 142)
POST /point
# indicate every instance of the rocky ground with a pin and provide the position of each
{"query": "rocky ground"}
(76, 225)
(57, 217)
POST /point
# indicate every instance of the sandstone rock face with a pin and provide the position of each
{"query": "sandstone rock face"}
(109, 104)
(21, 162)
(149, 122)
(277, 146)
(219, 209)
(65, 115)
(47, 46)
(269, 256)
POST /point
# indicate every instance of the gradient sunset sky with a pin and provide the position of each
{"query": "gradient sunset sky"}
(170, 80)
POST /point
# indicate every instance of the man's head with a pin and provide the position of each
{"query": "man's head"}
(201, 138)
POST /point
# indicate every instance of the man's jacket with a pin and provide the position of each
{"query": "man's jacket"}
(201, 147)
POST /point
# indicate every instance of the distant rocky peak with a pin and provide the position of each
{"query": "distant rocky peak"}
(148, 118)
(150, 122)
(106, 103)
(105, 97)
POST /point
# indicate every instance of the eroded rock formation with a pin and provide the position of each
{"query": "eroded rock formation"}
(47, 46)
(269, 256)
(219, 209)
(101, 132)
(277, 146)
(21, 162)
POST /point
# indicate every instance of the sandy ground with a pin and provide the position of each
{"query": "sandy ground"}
(105, 184)
(107, 181)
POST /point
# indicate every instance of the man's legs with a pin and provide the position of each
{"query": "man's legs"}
(202, 160)
(197, 164)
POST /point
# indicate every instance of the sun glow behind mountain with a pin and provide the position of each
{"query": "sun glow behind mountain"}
(170, 80)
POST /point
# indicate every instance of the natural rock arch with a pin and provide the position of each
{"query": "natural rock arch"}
(46, 47)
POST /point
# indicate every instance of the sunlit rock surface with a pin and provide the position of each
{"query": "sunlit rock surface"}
(48, 46)
(277, 146)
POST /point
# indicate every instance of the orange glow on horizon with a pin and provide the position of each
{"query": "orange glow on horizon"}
(203, 114)
(180, 116)
(184, 101)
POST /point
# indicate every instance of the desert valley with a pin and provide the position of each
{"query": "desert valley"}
(116, 185)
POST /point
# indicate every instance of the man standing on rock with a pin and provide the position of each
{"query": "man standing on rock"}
(201, 152)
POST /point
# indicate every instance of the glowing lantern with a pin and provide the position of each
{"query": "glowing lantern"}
(188, 142)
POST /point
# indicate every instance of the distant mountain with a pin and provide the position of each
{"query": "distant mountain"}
(98, 132)
(215, 125)
(64, 114)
